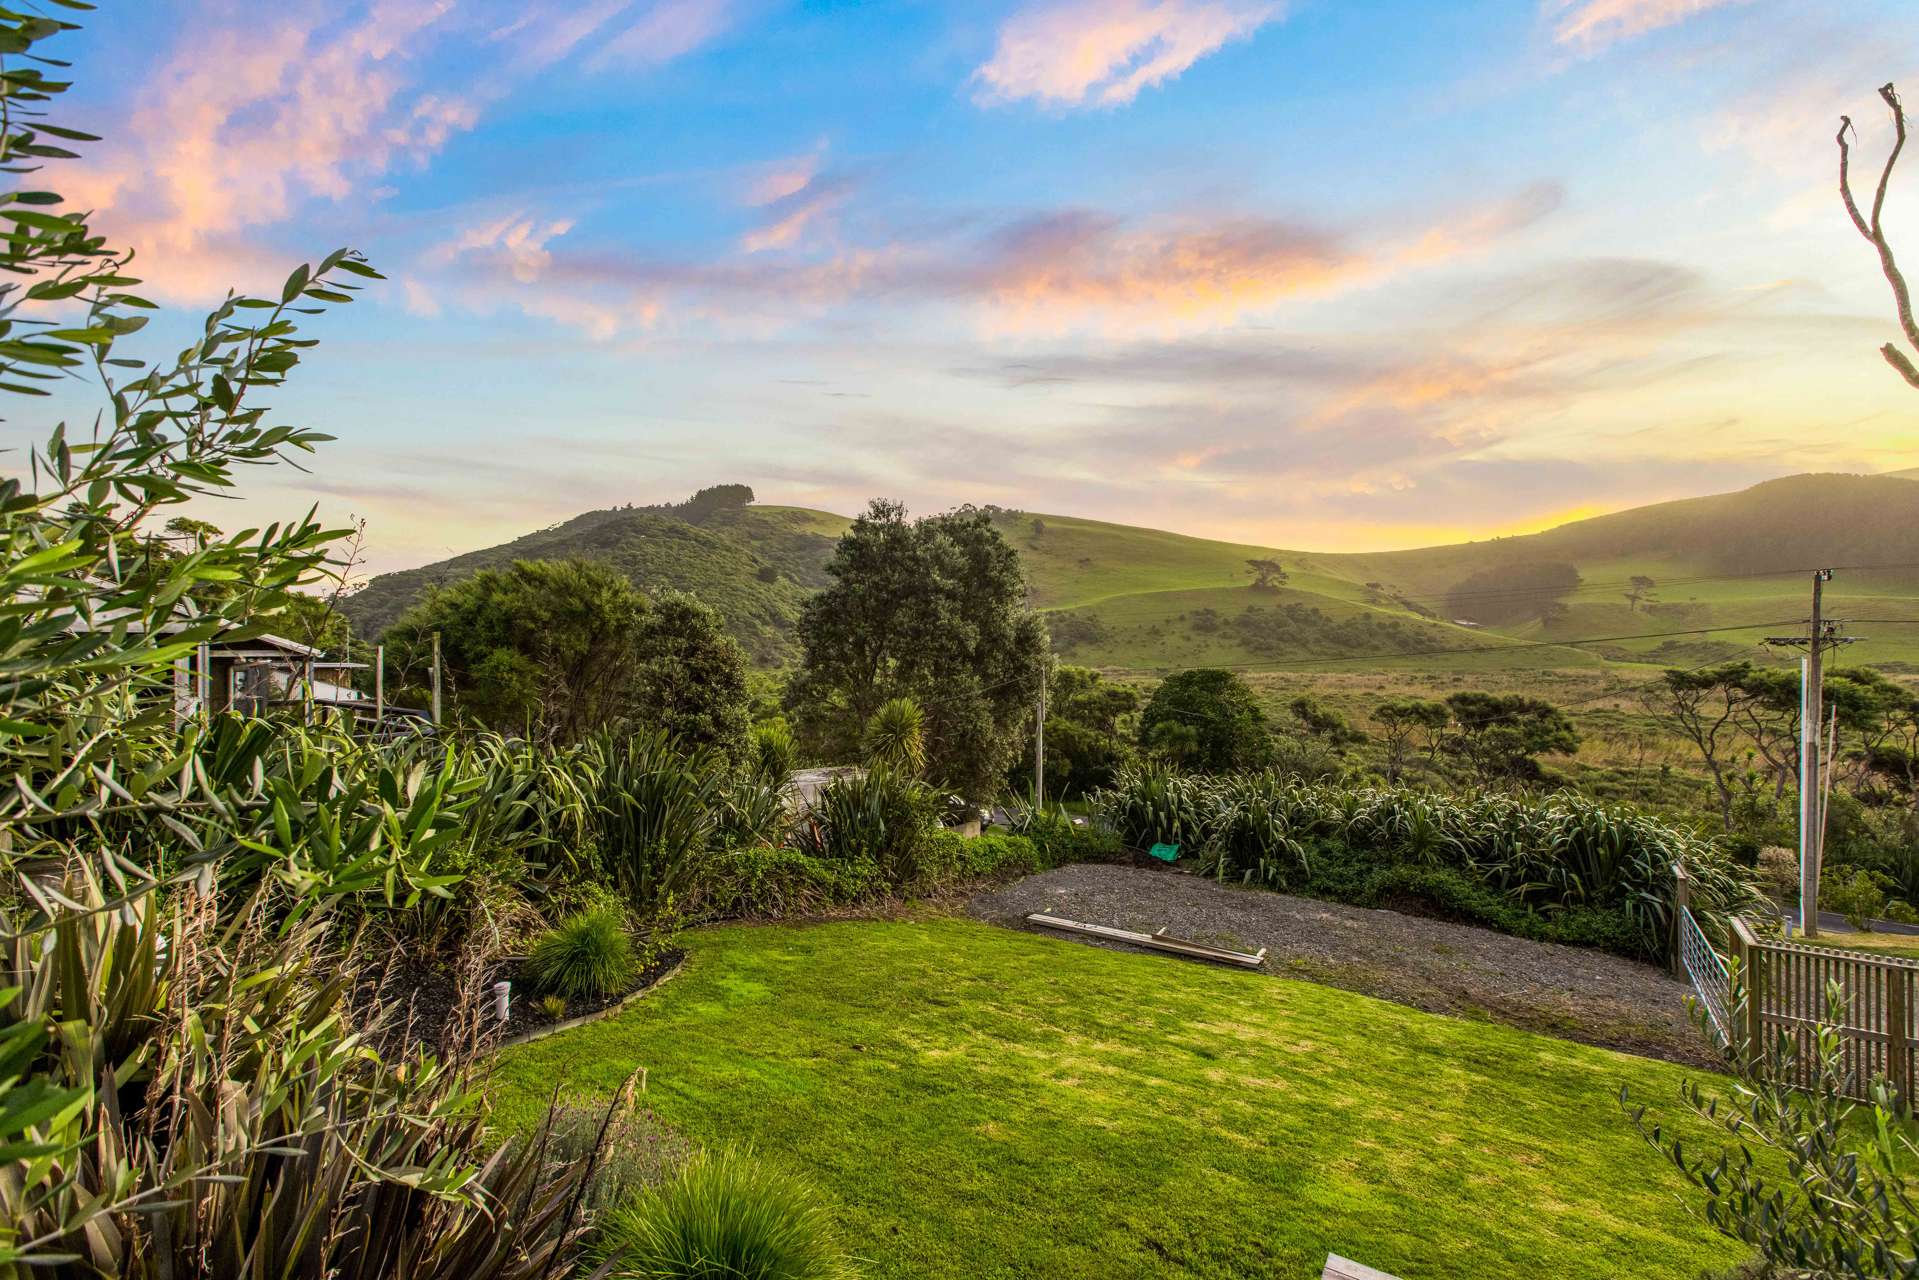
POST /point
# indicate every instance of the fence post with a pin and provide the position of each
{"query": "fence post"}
(1681, 900)
(1751, 1032)
(1898, 1050)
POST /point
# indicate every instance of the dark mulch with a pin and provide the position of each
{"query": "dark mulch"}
(1570, 992)
(428, 1003)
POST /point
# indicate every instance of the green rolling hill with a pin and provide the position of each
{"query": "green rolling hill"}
(755, 564)
(1144, 599)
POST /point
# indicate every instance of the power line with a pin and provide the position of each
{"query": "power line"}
(1510, 647)
(1442, 597)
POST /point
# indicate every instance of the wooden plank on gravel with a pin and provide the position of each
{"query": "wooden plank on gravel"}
(1160, 941)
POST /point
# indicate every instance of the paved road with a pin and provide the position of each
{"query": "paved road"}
(1837, 923)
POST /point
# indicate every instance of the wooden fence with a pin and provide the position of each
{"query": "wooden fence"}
(1779, 988)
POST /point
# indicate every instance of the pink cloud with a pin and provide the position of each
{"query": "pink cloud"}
(1068, 52)
(667, 30)
(1073, 269)
(788, 217)
(1053, 272)
(1593, 25)
(516, 243)
(784, 178)
(244, 123)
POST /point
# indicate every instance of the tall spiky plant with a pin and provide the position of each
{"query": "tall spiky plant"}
(894, 738)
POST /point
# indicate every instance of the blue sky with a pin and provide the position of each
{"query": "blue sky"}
(1319, 275)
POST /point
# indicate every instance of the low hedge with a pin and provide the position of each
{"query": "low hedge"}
(1446, 894)
(777, 882)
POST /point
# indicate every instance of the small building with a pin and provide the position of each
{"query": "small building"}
(267, 673)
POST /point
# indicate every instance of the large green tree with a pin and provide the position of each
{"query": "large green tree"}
(558, 648)
(1501, 736)
(933, 609)
(1211, 716)
(689, 676)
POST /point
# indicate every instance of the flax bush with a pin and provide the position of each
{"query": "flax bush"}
(725, 1215)
(1560, 866)
(879, 817)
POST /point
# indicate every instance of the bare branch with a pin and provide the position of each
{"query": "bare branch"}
(1874, 234)
(1897, 359)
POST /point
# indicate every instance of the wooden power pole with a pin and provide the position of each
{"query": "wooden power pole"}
(1821, 635)
(1812, 817)
(1039, 746)
(436, 677)
(379, 686)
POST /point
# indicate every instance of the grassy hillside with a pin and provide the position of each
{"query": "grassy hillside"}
(1148, 600)
(1145, 599)
(754, 564)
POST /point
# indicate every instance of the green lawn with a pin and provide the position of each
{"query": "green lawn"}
(980, 1102)
(1905, 946)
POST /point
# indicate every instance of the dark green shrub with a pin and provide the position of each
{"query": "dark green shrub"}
(772, 752)
(1058, 841)
(774, 882)
(1156, 804)
(586, 957)
(880, 817)
(1860, 896)
(1536, 858)
(655, 807)
(1254, 833)
(949, 857)
(753, 812)
(725, 1216)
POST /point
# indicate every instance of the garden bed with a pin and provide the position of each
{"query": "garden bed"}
(1573, 992)
(432, 1006)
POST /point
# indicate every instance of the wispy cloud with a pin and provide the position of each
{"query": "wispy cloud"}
(516, 243)
(805, 202)
(1082, 269)
(1050, 272)
(1589, 26)
(1072, 53)
(1063, 268)
(608, 33)
(246, 123)
(506, 261)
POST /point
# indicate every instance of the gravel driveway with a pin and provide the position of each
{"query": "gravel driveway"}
(1570, 992)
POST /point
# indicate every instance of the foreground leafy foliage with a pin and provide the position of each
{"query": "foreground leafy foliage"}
(1820, 1186)
(185, 1088)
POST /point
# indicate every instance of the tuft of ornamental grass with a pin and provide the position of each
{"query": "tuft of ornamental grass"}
(587, 956)
(724, 1216)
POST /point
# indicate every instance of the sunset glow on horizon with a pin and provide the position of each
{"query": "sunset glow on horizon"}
(1301, 274)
